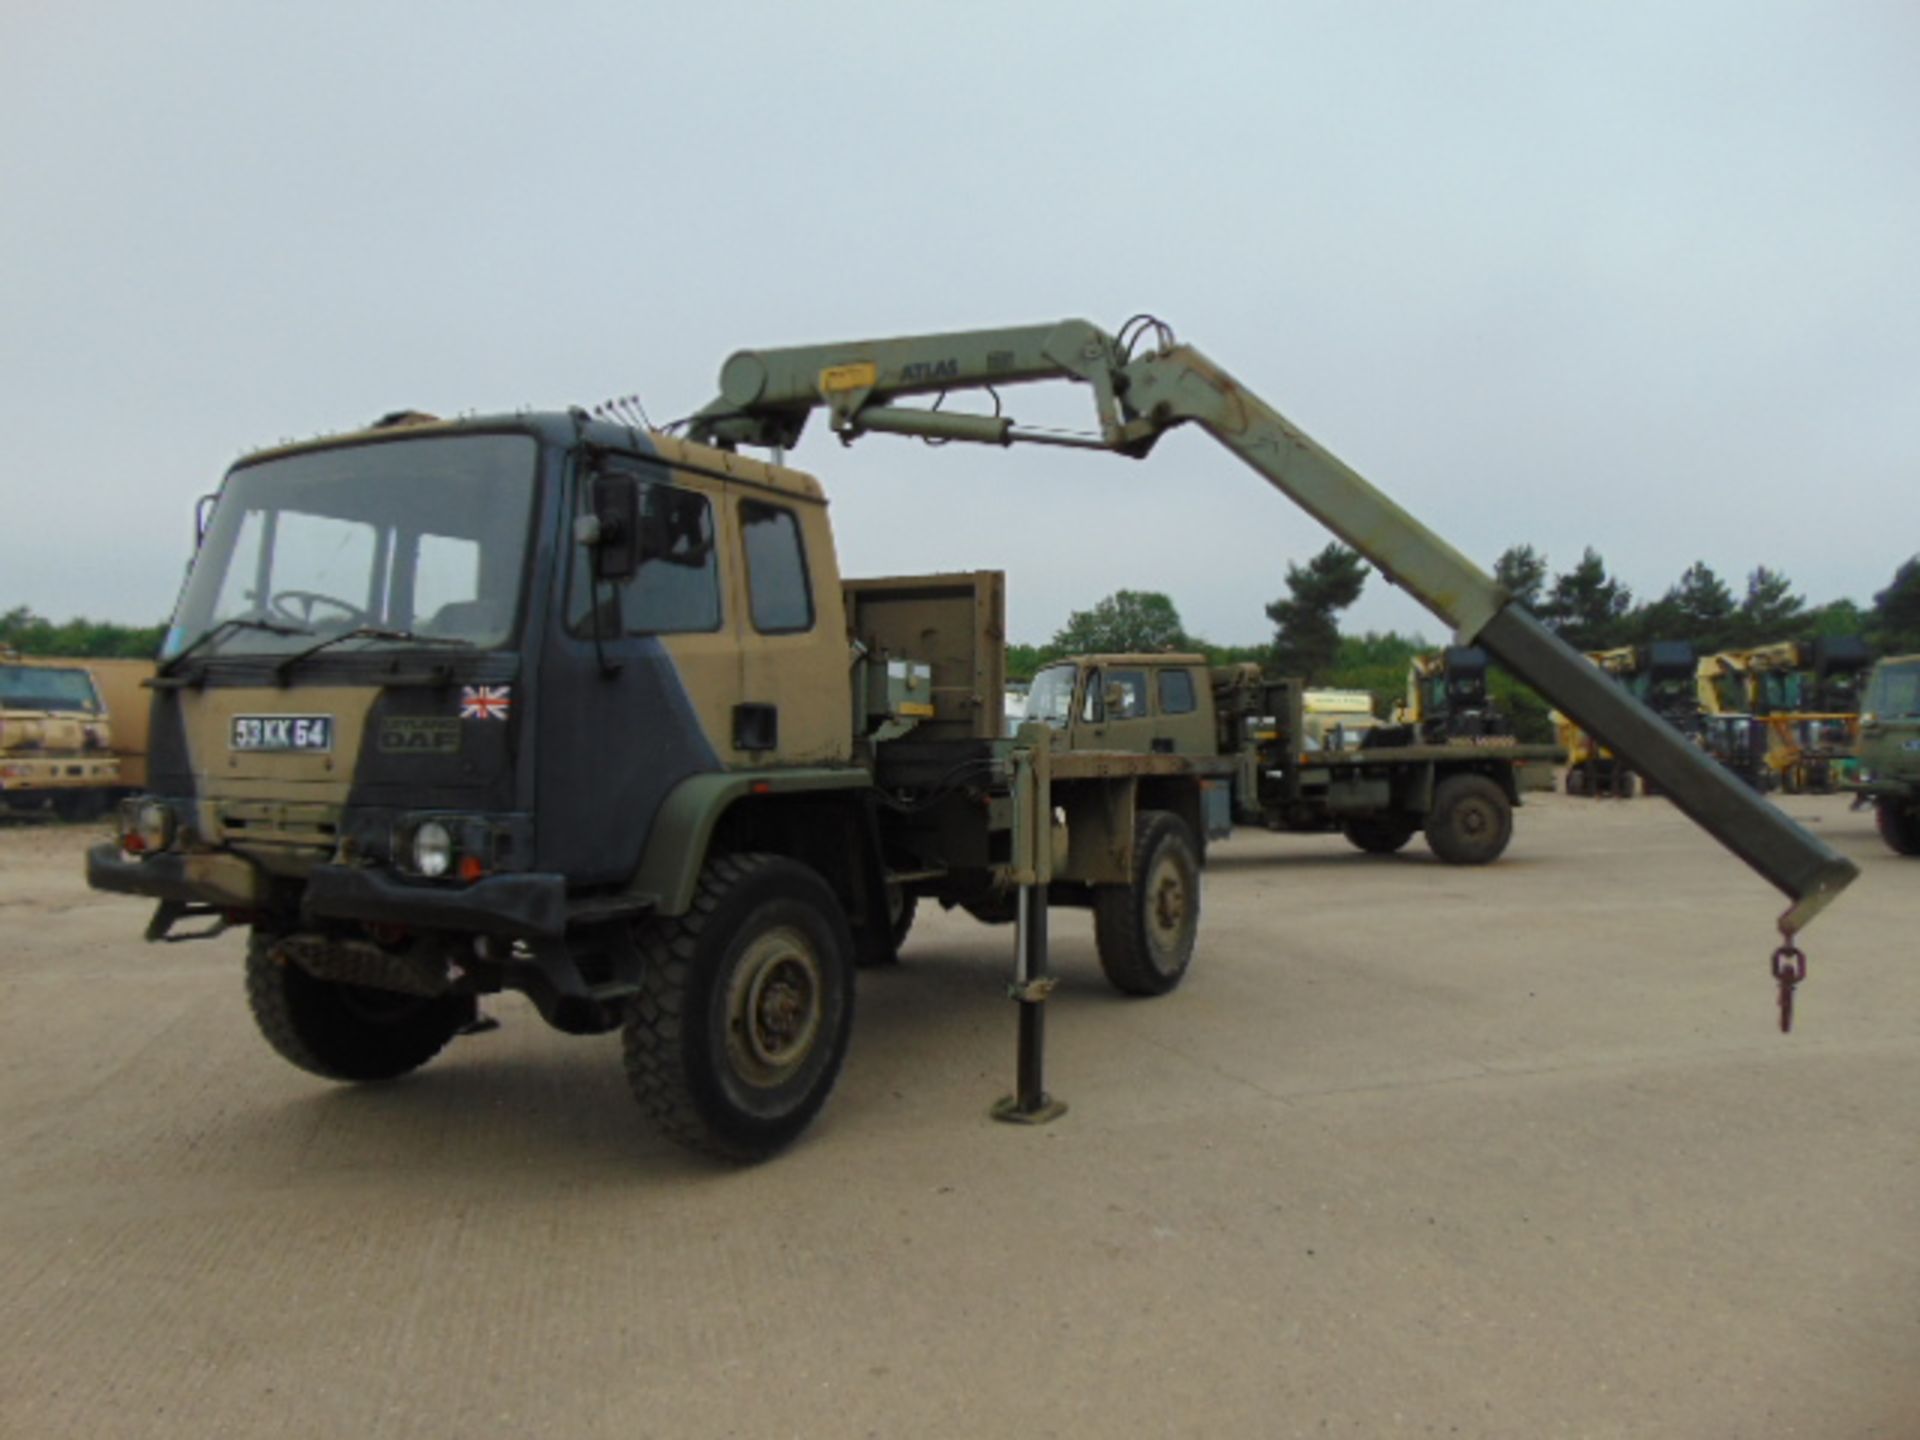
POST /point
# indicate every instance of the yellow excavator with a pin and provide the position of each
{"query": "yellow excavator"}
(1785, 716)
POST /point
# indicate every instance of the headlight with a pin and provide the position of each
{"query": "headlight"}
(432, 850)
(146, 826)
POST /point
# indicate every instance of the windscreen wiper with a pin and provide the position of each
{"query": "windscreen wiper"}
(226, 627)
(364, 632)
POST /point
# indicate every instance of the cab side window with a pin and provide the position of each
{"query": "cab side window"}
(1176, 692)
(778, 593)
(1126, 692)
(676, 586)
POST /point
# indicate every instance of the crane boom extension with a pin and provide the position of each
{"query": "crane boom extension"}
(766, 397)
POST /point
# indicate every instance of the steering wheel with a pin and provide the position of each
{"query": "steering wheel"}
(284, 602)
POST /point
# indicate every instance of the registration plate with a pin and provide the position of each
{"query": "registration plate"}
(282, 732)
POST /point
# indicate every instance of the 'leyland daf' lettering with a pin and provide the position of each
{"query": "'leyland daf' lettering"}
(420, 735)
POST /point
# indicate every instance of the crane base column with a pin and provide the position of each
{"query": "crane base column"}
(1030, 1104)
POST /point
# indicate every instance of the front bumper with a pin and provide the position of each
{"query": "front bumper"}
(511, 906)
(226, 881)
(31, 779)
(529, 905)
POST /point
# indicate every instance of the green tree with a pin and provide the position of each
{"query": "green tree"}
(1771, 611)
(1587, 607)
(1698, 608)
(1143, 621)
(1896, 611)
(1023, 660)
(1836, 617)
(1306, 638)
(1522, 570)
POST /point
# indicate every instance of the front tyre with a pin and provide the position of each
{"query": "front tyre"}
(1899, 826)
(742, 1021)
(1471, 820)
(346, 1032)
(1145, 931)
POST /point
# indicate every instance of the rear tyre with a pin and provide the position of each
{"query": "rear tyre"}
(346, 1032)
(1377, 836)
(741, 1024)
(1899, 826)
(1471, 820)
(1623, 784)
(1145, 931)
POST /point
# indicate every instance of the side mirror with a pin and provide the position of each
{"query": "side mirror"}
(614, 533)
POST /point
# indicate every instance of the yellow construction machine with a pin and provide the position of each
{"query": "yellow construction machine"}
(1785, 716)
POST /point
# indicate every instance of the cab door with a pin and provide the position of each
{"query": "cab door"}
(795, 705)
(1128, 708)
(639, 674)
(1181, 726)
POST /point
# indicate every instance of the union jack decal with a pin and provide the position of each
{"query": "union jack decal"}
(485, 702)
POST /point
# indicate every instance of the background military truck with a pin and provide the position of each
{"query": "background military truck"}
(552, 704)
(1379, 790)
(56, 742)
(1889, 750)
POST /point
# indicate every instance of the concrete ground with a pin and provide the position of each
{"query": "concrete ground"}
(1415, 1151)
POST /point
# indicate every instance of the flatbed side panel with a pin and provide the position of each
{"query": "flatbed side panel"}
(1806, 868)
(1120, 764)
(1439, 754)
(957, 624)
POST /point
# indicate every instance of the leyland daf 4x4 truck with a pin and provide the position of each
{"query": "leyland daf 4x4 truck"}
(550, 704)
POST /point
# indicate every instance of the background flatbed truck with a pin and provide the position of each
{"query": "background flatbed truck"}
(584, 712)
(1379, 786)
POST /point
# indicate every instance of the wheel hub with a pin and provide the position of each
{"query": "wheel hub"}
(774, 1008)
(1166, 905)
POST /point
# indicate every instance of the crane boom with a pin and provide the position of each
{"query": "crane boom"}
(766, 397)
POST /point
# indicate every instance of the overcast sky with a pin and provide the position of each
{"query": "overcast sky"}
(1641, 277)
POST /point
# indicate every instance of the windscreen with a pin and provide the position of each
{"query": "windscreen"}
(426, 536)
(1050, 697)
(1894, 691)
(33, 687)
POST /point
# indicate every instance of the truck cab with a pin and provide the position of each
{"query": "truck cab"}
(1889, 750)
(1136, 704)
(56, 743)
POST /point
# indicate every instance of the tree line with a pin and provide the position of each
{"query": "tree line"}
(21, 629)
(1593, 610)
